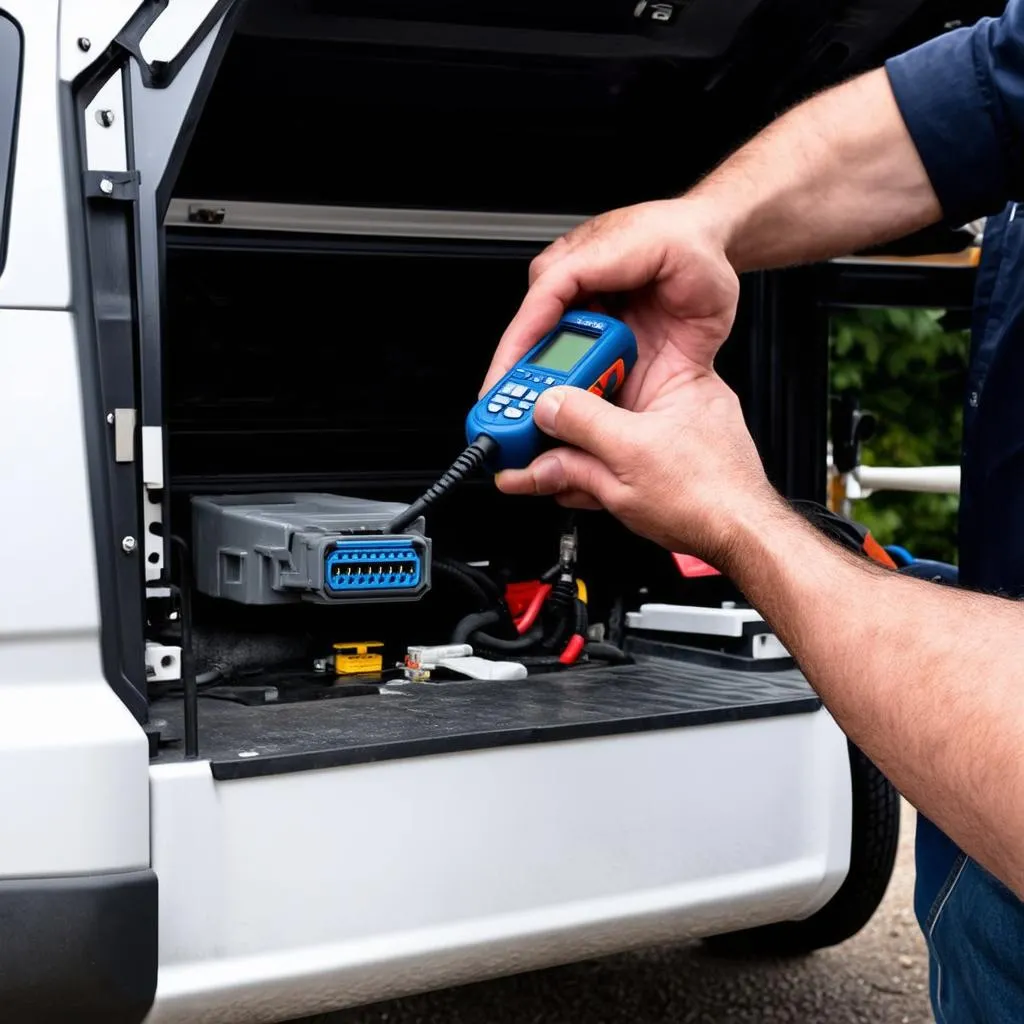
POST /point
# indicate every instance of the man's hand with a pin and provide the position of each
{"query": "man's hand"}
(684, 472)
(663, 266)
(837, 174)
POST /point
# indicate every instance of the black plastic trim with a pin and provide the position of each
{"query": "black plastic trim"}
(307, 760)
(79, 949)
(160, 74)
(279, 764)
(883, 284)
(106, 359)
(11, 57)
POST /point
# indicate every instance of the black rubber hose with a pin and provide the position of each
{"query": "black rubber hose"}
(495, 644)
(471, 623)
(471, 582)
(561, 610)
(607, 652)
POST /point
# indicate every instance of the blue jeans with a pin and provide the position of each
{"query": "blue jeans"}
(973, 924)
(974, 927)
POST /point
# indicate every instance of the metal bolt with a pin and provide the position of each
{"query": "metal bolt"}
(110, 418)
(84, 44)
(974, 399)
(106, 186)
(105, 117)
(127, 545)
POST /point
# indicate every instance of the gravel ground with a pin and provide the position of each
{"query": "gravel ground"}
(878, 976)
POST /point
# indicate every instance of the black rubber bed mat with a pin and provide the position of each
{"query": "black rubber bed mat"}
(424, 719)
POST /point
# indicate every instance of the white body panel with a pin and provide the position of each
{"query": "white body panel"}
(299, 893)
(42, 465)
(98, 22)
(73, 764)
(73, 761)
(37, 274)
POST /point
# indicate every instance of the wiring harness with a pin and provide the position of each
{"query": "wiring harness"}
(552, 626)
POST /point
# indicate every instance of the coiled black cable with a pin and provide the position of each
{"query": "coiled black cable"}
(484, 591)
(468, 462)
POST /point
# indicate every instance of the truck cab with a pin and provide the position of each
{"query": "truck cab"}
(254, 260)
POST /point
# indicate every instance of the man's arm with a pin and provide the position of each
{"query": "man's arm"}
(928, 681)
(834, 175)
(938, 133)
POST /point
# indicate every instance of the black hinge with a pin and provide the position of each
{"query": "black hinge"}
(120, 186)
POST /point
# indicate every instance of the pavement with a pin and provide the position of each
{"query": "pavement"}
(881, 975)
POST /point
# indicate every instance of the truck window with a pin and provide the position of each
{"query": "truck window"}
(10, 83)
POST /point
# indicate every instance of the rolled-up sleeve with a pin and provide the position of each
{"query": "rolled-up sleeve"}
(962, 98)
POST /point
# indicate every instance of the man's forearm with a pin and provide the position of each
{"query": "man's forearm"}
(833, 176)
(928, 681)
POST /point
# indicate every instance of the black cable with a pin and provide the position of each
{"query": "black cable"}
(188, 673)
(468, 462)
(607, 652)
(495, 645)
(486, 595)
(471, 623)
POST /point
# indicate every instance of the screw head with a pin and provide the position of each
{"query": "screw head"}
(127, 545)
(84, 44)
(110, 417)
(106, 186)
(105, 117)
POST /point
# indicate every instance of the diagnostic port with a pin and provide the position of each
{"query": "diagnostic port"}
(385, 566)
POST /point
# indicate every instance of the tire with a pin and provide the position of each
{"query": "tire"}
(876, 827)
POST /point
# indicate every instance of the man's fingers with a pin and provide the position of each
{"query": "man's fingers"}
(542, 307)
(563, 472)
(585, 421)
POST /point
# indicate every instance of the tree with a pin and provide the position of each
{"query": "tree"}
(908, 368)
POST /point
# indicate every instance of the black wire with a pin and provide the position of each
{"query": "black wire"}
(494, 644)
(607, 652)
(188, 674)
(468, 462)
(486, 595)
(471, 623)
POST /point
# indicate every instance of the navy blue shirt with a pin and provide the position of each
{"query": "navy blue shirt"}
(962, 97)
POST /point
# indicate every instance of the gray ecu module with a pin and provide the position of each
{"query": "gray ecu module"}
(279, 548)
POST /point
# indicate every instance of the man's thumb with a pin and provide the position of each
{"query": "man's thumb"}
(581, 419)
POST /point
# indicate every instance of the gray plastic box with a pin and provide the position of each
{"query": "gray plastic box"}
(265, 549)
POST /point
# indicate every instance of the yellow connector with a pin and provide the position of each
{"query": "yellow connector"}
(581, 590)
(353, 659)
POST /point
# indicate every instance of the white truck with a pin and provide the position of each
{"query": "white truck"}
(250, 251)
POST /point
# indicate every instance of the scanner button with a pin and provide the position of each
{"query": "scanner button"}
(549, 380)
(532, 396)
(522, 373)
(513, 414)
(493, 407)
(502, 399)
(517, 391)
(509, 388)
(526, 405)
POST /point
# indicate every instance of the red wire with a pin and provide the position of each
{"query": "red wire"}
(573, 649)
(529, 617)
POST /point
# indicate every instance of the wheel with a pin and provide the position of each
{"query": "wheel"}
(876, 827)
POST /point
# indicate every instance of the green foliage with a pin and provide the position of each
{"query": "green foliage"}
(908, 369)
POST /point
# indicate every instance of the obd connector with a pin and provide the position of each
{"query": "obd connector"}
(278, 548)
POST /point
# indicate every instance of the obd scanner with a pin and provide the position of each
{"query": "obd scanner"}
(585, 350)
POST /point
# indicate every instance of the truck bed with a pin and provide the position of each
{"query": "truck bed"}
(417, 720)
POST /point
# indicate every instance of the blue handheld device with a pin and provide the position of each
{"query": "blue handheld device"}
(586, 350)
